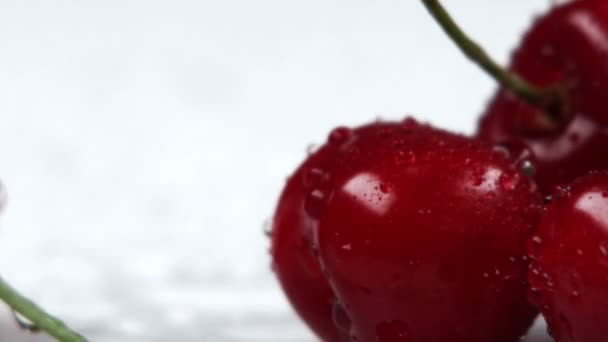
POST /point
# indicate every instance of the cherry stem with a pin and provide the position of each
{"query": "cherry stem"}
(41, 319)
(547, 99)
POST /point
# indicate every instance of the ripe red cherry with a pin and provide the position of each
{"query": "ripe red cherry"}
(423, 237)
(294, 260)
(569, 272)
(567, 47)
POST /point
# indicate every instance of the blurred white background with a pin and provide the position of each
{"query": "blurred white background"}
(143, 143)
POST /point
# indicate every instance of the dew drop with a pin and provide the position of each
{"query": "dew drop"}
(528, 168)
(534, 296)
(604, 248)
(509, 181)
(534, 246)
(267, 227)
(410, 123)
(315, 177)
(574, 295)
(312, 148)
(315, 203)
(25, 323)
(502, 150)
(339, 135)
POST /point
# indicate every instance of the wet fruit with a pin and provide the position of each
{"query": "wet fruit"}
(569, 272)
(566, 48)
(422, 234)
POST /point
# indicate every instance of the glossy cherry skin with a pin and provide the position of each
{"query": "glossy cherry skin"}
(423, 236)
(294, 258)
(294, 261)
(569, 272)
(566, 47)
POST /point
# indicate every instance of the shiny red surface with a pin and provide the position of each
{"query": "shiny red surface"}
(569, 47)
(569, 272)
(294, 259)
(423, 236)
(294, 262)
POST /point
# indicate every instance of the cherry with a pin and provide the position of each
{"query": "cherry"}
(294, 258)
(567, 48)
(569, 271)
(423, 237)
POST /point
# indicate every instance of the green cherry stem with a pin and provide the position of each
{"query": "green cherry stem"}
(37, 316)
(548, 99)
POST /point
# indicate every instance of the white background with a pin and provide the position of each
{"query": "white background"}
(143, 143)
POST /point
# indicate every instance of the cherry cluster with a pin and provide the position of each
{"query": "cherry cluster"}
(400, 231)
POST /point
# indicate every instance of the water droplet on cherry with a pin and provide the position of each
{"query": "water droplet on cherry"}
(312, 148)
(315, 203)
(267, 227)
(339, 135)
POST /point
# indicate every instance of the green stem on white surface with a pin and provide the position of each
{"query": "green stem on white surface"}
(40, 318)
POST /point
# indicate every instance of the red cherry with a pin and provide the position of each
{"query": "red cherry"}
(567, 47)
(294, 259)
(569, 272)
(423, 236)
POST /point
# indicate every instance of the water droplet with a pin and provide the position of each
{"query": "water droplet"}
(410, 123)
(347, 247)
(267, 227)
(502, 150)
(392, 331)
(509, 181)
(315, 203)
(534, 296)
(528, 168)
(534, 246)
(574, 295)
(312, 148)
(25, 323)
(604, 248)
(339, 135)
(561, 190)
(405, 157)
(316, 177)
(340, 317)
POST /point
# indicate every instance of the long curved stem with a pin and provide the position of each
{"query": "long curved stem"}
(543, 98)
(40, 318)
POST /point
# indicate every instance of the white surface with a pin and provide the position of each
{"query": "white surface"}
(144, 143)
